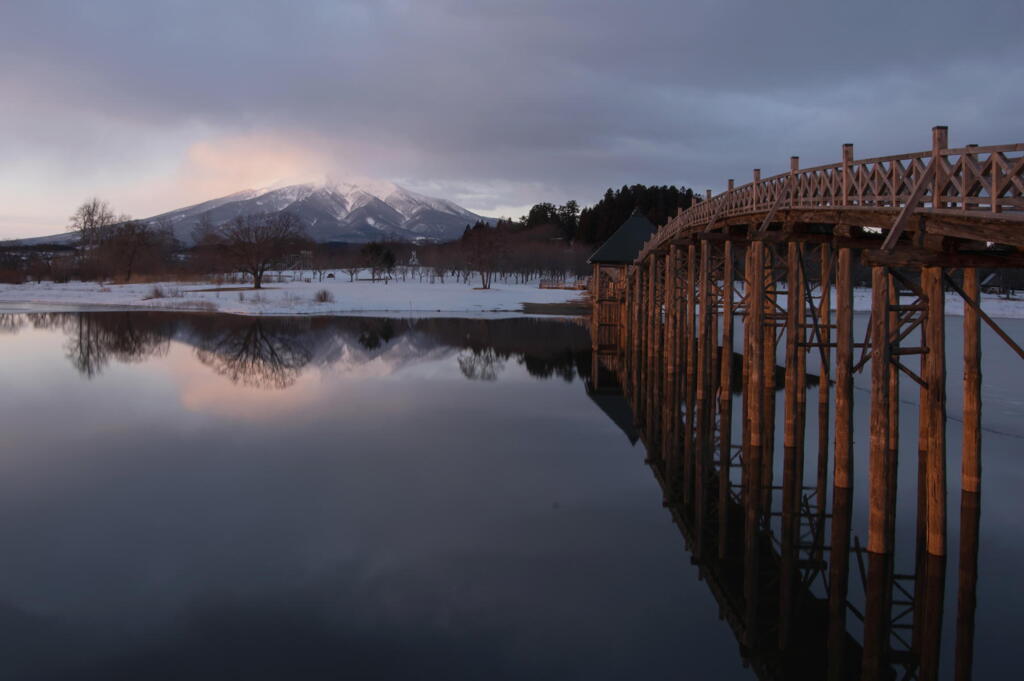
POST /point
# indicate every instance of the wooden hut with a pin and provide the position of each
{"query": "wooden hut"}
(607, 284)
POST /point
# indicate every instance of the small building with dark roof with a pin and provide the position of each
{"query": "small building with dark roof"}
(607, 284)
(625, 243)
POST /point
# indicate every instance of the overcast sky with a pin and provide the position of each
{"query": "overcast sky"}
(497, 105)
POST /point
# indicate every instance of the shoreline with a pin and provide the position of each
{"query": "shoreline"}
(362, 298)
(300, 298)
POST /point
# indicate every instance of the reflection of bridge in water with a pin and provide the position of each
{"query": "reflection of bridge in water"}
(768, 515)
(785, 598)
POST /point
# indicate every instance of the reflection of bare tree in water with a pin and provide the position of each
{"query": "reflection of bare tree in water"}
(94, 339)
(482, 364)
(257, 353)
(11, 323)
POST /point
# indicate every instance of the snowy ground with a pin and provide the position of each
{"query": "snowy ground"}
(994, 306)
(412, 297)
(291, 297)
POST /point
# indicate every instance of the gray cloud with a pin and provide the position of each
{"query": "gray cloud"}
(508, 102)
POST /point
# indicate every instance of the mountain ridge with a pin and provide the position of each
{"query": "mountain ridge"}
(329, 211)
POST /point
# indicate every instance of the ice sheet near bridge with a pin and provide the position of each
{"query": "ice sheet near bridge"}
(295, 297)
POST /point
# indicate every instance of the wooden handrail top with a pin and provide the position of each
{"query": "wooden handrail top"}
(974, 181)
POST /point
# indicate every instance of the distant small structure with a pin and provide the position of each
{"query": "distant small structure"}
(610, 262)
(1003, 282)
(625, 243)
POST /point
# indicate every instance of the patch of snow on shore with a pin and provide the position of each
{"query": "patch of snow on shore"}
(293, 297)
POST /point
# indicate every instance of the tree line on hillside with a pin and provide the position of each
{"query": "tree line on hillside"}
(594, 224)
(115, 248)
(550, 241)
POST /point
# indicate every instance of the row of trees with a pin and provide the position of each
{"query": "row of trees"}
(659, 204)
(550, 241)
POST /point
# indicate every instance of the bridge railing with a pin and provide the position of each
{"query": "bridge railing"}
(969, 179)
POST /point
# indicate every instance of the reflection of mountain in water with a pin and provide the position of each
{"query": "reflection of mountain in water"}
(272, 352)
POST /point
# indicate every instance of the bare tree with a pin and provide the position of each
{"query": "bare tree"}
(483, 249)
(131, 244)
(257, 243)
(93, 221)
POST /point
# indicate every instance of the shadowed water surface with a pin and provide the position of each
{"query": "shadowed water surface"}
(211, 497)
(224, 497)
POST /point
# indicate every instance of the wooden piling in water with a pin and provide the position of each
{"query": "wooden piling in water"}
(725, 401)
(790, 475)
(702, 398)
(970, 494)
(755, 448)
(935, 362)
(842, 495)
(690, 377)
(970, 474)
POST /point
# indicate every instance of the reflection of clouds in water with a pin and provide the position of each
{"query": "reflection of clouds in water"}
(204, 391)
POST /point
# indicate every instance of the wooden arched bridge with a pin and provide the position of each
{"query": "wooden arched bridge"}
(769, 269)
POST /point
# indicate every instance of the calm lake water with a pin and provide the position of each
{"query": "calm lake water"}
(216, 497)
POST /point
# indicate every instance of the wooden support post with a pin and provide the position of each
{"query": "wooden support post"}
(623, 318)
(641, 339)
(690, 377)
(842, 496)
(879, 540)
(725, 401)
(768, 364)
(678, 296)
(935, 378)
(649, 358)
(971, 461)
(752, 458)
(843, 463)
(970, 495)
(790, 476)
(622, 291)
(801, 369)
(668, 361)
(893, 436)
(824, 375)
(879, 591)
(701, 453)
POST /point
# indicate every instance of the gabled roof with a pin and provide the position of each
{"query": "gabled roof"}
(622, 247)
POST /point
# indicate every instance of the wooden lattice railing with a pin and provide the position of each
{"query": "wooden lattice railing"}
(971, 179)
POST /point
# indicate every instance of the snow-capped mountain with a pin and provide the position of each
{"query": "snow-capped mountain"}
(335, 211)
(330, 211)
